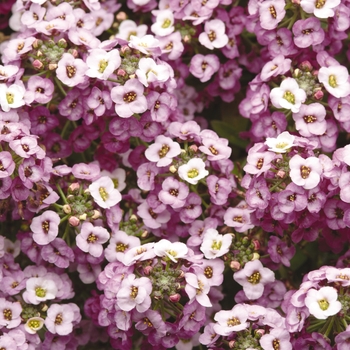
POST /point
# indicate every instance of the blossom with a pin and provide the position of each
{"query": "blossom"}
(197, 288)
(162, 151)
(214, 34)
(281, 143)
(321, 9)
(134, 293)
(305, 172)
(39, 289)
(91, 238)
(335, 80)
(288, 95)
(323, 303)
(171, 250)
(164, 23)
(104, 192)
(10, 313)
(59, 319)
(278, 336)
(253, 278)
(271, 13)
(150, 72)
(215, 245)
(193, 171)
(71, 71)
(34, 324)
(308, 32)
(45, 227)
(234, 320)
(203, 67)
(11, 96)
(129, 98)
(101, 63)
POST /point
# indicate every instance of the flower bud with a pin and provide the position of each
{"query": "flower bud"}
(235, 265)
(121, 72)
(256, 256)
(318, 95)
(44, 308)
(144, 234)
(74, 187)
(147, 270)
(281, 174)
(173, 169)
(83, 217)
(62, 43)
(121, 16)
(96, 215)
(306, 66)
(74, 53)
(52, 66)
(37, 64)
(175, 298)
(194, 148)
(231, 344)
(256, 244)
(259, 333)
(124, 49)
(67, 209)
(74, 221)
(133, 218)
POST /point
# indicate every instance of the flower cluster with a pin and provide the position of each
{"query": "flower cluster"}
(174, 174)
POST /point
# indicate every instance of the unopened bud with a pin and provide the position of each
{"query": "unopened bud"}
(172, 169)
(256, 256)
(67, 209)
(37, 64)
(231, 344)
(121, 16)
(83, 217)
(281, 174)
(36, 43)
(297, 73)
(175, 298)
(44, 308)
(124, 49)
(121, 72)
(74, 221)
(144, 234)
(52, 66)
(256, 244)
(235, 265)
(74, 53)
(62, 43)
(96, 215)
(87, 191)
(259, 333)
(74, 187)
(132, 76)
(187, 39)
(194, 148)
(147, 270)
(182, 274)
(318, 95)
(133, 218)
(306, 66)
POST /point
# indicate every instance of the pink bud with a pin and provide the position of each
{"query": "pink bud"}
(37, 64)
(175, 298)
(235, 265)
(231, 344)
(194, 148)
(281, 174)
(74, 186)
(260, 332)
(147, 270)
(121, 72)
(124, 49)
(121, 16)
(256, 244)
(318, 95)
(74, 221)
(74, 53)
(306, 66)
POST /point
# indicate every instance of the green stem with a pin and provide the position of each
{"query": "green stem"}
(60, 87)
(59, 189)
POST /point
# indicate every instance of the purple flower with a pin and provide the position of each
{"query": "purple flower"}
(59, 319)
(279, 251)
(278, 336)
(203, 67)
(173, 193)
(214, 34)
(58, 253)
(253, 279)
(86, 171)
(71, 71)
(129, 98)
(91, 238)
(45, 227)
(41, 88)
(10, 313)
(271, 12)
(7, 165)
(135, 293)
(308, 32)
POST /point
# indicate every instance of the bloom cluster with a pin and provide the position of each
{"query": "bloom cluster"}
(138, 210)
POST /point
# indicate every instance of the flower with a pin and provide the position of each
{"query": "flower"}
(39, 289)
(129, 98)
(215, 245)
(91, 238)
(59, 319)
(335, 80)
(11, 96)
(214, 35)
(164, 23)
(193, 171)
(288, 95)
(134, 293)
(277, 337)
(282, 143)
(321, 9)
(253, 277)
(45, 227)
(171, 250)
(323, 303)
(34, 324)
(305, 172)
(71, 71)
(104, 193)
(150, 72)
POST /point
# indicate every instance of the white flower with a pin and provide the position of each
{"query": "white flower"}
(173, 251)
(102, 63)
(323, 302)
(335, 79)
(214, 244)
(320, 8)
(281, 144)
(288, 95)
(193, 171)
(129, 27)
(11, 96)
(39, 289)
(104, 192)
(149, 71)
(147, 44)
(164, 24)
(34, 324)
(118, 177)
